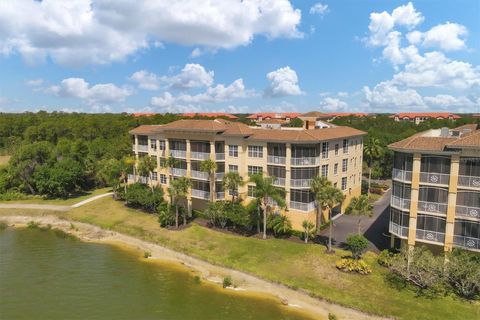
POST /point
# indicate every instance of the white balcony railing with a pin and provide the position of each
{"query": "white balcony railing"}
(199, 175)
(219, 156)
(434, 178)
(200, 194)
(469, 181)
(178, 153)
(279, 182)
(430, 236)
(398, 230)
(300, 183)
(219, 175)
(142, 148)
(179, 172)
(468, 212)
(401, 175)
(131, 178)
(276, 160)
(199, 155)
(400, 203)
(137, 178)
(302, 206)
(432, 207)
(466, 242)
(305, 161)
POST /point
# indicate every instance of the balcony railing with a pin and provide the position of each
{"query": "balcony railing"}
(302, 206)
(466, 242)
(200, 194)
(434, 178)
(137, 178)
(469, 212)
(219, 156)
(398, 230)
(220, 195)
(199, 175)
(432, 207)
(179, 172)
(469, 181)
(279, 182)
(300, 183)
(401, 175)
(305, 161)
(276, 160)
(178, 153)
(219, 175)
(131, 177)
(142, 148)
(400, 203)
(199, 155)
(430, 236)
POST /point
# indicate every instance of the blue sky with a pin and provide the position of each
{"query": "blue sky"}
(257, 55)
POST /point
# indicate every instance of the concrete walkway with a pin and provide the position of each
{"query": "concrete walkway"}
(51, 206)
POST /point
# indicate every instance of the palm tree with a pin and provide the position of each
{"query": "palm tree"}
(372, 151)
(328, 199)
(231, 181)
(127, 163)
(360, 207)
(317, 184)
(169, 163)
(209, 166)
(266, 193)
(146, 166)
(178, 190)
(307, 230)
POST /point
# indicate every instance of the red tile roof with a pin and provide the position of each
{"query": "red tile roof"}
(210, 115)
(412, 115)
(274, 115)
(143, 114)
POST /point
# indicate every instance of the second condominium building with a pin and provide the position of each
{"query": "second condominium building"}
(292, 155)
(436, 188)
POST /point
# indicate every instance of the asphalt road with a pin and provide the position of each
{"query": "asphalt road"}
(375, 229)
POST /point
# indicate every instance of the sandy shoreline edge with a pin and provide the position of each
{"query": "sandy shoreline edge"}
(297, 300)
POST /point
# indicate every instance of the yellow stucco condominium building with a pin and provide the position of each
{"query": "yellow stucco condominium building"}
(436, 188)
(292, 155)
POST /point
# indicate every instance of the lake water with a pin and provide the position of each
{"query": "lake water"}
(45, 276)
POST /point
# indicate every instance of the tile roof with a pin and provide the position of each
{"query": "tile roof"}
(275, 115)
(315, 114)
(303, 135)
(210, 114)
(145, 129)
(411, 115)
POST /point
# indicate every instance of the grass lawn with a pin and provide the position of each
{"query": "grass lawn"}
(62, 202)
(296, 265)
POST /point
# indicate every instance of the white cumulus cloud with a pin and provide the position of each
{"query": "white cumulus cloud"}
(385, 96)
(146, 80)
(282, 82)
(333, 104)
(319, 9)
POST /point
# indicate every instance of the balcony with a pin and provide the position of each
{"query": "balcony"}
(302, 206)
(279, 182)
(469, 181)
(300, 183)
(179, 172)
(199, 155)
(400, 203)
(142, 148)
(466, 242)
(220, 195)
(276, 160)
(398, 230)
(431, 236)
(200, 194)
(219, 175)
(178, 153)
(305, 161)
(467, 212)
(199, 175)
(220, 156)
(432, 207)
(435, 178)
(401, 175)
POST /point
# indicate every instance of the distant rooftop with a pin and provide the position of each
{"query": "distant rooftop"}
(436, 115)
(210, 115)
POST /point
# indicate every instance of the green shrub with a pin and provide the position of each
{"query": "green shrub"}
(141, 196)
(227, 281)
(13, 195)
(356, 244)
(197, 280)
(331, 316)
(147, 254)
(33, 225)
(166, 215)
(279, 224)
(462, 274)
(384, 258)
(353, 265)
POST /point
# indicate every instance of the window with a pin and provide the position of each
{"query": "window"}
(344, 183)
(344, 165)
(161, 144)
(469, 229)
(303, 196)
(402, 161)
(398, 217)
(345, 145)
(401, 190)
(251, 191)
(468, 199)
(163, 179)
(254, 170)
(431, 194)
(233, 151)
(335, 169)
(232, 168)
(154, 176)
(324, 150)
(255, 151)
(430, 223)
(276, 171)
(153, 144)
(435, 164)
(470, 167)
(325, 170)
(336, 149)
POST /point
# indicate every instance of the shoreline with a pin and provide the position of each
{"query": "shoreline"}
(245, 283)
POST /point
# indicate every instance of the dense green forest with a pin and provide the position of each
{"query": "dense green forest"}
(58, 154)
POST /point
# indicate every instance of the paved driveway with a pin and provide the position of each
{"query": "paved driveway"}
(375, 229)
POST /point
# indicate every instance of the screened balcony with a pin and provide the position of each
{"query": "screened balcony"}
(196, 172)
(279, 173)
(430, 228)
(468, 204)
(180, 169)
(178, 148)
(469, 173)
(276, 153)
(402, 167)
(302, 200)
(305, 155)
(467, 234)
(401, 194)
(220, 173)
(433, 200)
(399, 222)
(199, 150)
(435, 170)
(302, 177)
(142, 144)
(200, 189)
(220, 151)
